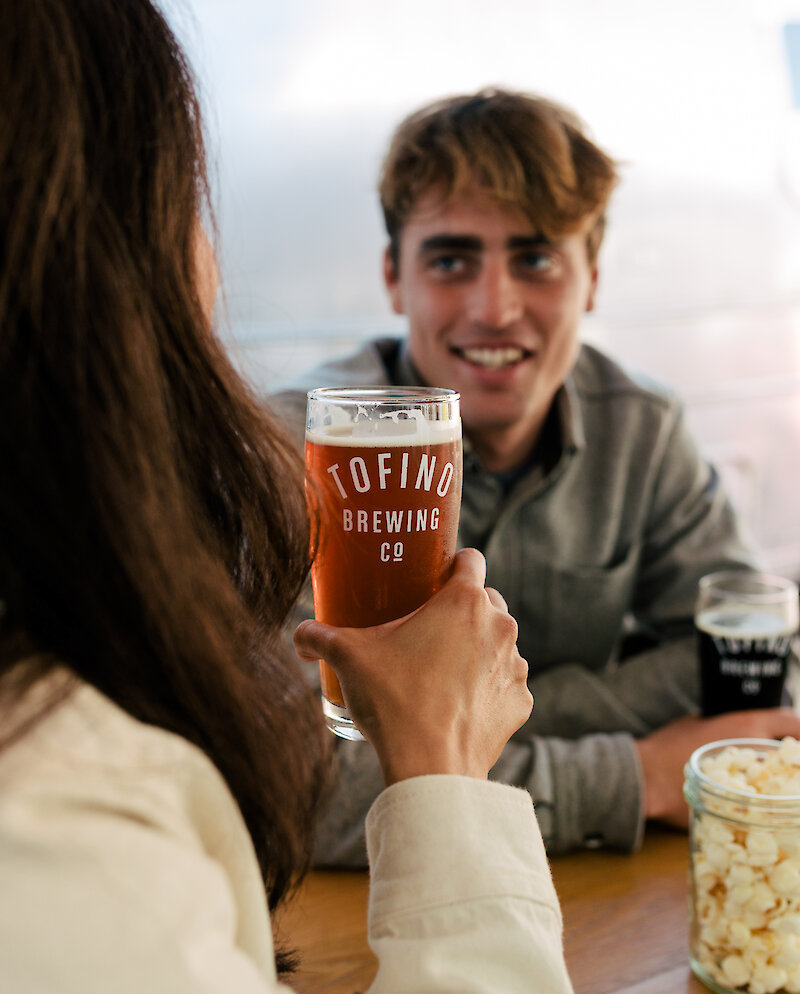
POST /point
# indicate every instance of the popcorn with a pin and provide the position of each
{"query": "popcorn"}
(788, 958)
(787, 924)
(739, 935)
(767, 979)
(763, 898)
(735, 970)
(740, 875)
(762, 848)
(746, 870)
(785, 878)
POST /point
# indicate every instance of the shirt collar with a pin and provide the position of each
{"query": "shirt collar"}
(568, 410)
(570, 419)
(405, 373)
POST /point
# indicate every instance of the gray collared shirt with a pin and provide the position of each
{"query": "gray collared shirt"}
(602, 542)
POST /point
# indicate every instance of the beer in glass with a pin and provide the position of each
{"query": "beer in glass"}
(383, 483)
(745, 624)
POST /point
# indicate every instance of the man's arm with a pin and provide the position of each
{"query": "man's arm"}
(636, 696)
(595, 791)
(587, 793)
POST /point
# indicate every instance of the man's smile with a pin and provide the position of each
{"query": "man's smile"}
(492, 356)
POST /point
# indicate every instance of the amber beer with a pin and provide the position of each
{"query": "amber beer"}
(383, 472)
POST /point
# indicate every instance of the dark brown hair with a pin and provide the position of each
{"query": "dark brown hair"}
(528, 153)
(153, 533)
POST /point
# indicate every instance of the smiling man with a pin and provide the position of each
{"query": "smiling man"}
(595, 511)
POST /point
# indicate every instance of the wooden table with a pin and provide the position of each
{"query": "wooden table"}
(625, 923)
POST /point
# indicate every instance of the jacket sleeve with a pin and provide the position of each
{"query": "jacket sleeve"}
(637, 696)
(588, 791)
(460, 863)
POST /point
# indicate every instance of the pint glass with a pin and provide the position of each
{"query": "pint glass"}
(745, 624)
(383, 483)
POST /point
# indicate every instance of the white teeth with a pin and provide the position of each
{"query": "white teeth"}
(493, 358)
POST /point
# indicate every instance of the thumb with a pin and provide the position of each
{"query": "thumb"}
(314, 640)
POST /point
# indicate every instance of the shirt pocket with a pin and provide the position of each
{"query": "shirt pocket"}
(578, 610)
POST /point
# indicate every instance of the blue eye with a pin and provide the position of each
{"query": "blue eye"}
(540, 261)
(542, 264)
(452, 267)
(447, 263)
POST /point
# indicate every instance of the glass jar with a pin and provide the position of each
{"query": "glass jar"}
(744, 873)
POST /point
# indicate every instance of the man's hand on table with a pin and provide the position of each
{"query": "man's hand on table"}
(665, 752)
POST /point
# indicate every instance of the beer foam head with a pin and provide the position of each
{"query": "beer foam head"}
(383, 416)
(742, 621)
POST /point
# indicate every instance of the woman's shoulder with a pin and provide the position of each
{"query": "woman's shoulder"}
(70, 743)
(113, 835)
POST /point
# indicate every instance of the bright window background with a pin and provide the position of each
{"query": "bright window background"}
(700, 273)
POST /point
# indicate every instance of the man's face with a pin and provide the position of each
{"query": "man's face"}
(493, 311)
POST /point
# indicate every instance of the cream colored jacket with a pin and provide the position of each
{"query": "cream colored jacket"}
(126, 868)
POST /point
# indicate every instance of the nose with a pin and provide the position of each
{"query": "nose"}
(495, 301)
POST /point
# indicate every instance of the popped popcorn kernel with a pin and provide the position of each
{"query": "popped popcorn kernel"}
(785, 878)
(767, 979)
(740, 874)
(788, 958)
(763, 898)
(742, 894)
(735, 970)
(739, 935)
(787, 924)
(717, 856)
(762, 848)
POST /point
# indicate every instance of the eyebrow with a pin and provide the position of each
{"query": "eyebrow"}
(471, 243)
(436, 243)
(528, 241)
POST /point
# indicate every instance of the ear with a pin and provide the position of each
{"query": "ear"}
(392, 280)
(592, 290)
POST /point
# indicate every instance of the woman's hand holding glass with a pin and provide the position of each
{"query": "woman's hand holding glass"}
(438, 691)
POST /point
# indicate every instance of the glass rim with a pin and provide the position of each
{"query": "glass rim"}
(384, 394)
(733, 793)
(781, 585)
